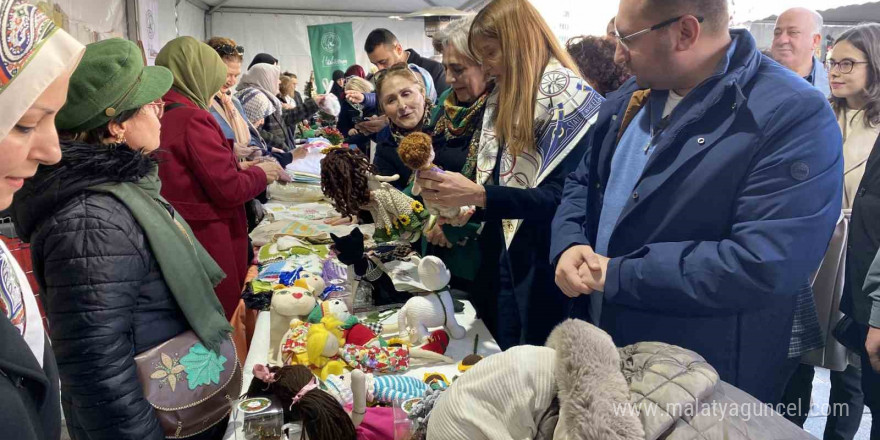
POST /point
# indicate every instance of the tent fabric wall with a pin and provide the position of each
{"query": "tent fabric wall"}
(93, 20)
(286, 37)
(190, 20)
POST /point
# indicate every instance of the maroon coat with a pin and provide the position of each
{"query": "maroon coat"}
(202, 180)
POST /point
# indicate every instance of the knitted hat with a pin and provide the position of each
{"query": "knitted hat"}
(359, 334)
(437, 342)
(35, 53)
(110, 79)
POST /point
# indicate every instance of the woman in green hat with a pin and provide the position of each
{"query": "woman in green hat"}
(119, 269)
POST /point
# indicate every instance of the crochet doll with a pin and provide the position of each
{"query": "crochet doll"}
(350, 251)
(417, 152)
(349, 180)
(323, 415)
(379, 389)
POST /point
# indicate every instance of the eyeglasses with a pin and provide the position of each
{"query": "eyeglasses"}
(157, 106)
(622, 39)
(843, 66)
(227, 50)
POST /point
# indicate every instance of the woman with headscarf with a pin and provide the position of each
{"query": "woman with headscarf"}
(258, 93)
(33, 87)
(117, 270)
(201, 176)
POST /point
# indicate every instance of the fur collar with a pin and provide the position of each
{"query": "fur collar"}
(82, 166)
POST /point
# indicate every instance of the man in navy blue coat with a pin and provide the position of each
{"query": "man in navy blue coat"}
(707, 197)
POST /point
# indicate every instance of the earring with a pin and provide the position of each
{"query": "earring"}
(120, 138)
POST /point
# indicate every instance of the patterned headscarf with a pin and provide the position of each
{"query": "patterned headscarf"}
(34, 54)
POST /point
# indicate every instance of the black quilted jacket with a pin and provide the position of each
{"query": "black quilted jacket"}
(102, 289)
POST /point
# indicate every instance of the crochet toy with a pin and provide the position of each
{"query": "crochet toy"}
(379, 389)
(323, 346)
(288, 304)
(417, 153)
(434, 309)
(349, 180)
(350, 251)
(471, 359)
(324, 416)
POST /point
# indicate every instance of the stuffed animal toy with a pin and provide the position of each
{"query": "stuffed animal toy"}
(287, 305)
(417, 153)
(349, 180)
(350, 251)
(324, 347)
(323, 415)
(434, 309)
(379, 389)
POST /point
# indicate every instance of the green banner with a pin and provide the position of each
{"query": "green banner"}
(332, 47)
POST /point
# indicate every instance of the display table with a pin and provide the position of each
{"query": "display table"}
(458, 349)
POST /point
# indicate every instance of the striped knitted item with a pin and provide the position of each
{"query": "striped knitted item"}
(500, 398)
(387, 389)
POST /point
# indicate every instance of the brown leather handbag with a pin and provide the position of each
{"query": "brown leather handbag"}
(190, 387)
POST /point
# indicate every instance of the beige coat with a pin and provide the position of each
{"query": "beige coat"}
(858, 141)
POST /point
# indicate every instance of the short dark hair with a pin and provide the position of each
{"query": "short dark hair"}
(714, 12)
(595, 58)
(379, 37)
(289, 74)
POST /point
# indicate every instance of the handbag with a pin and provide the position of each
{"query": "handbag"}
(189, 387)
(851, 335)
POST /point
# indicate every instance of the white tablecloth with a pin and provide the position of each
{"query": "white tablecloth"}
(458, 349)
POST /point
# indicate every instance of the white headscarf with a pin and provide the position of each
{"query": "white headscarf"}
(266, 78)
(29, 63)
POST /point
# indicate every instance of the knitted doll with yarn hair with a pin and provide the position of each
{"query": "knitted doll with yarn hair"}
(417, 153)
(349, 180)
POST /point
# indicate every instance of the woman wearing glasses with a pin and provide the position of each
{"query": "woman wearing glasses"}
(534, 121)
(854, 74)
(94, 221)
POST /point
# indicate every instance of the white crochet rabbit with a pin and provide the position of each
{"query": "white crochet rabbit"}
(432, 309)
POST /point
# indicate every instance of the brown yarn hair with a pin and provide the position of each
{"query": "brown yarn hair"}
(344, 174)
(322, 417)
(527, 45)
(415, 150)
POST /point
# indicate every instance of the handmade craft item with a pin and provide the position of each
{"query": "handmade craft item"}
(350, 251)
(287, 305)
(471, 359)
(416, 150)
(349, 180)
(433, 309)
(379, 389)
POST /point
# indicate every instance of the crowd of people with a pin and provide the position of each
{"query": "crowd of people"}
(666, 182)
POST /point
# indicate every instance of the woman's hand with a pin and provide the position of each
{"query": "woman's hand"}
(272, 169)
(352, 132)
(286, 106)
(300, 153)
(872, 345)
(436, 237)
(451, 190)
(354, 96)
(247, 164)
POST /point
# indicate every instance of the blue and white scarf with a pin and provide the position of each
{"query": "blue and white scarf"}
(566, 107)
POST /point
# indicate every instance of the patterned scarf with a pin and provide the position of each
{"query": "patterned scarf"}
(455, 121)
(566, 107)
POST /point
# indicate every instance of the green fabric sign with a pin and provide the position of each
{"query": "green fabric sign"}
(332, 47)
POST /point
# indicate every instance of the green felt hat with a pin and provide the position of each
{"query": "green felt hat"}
(110, 79)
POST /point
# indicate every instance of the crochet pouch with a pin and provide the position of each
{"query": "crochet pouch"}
(189, 386)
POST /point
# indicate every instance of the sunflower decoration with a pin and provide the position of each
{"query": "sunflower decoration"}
(404, 219)
(417, 207)
(388, 231)
(395, 223)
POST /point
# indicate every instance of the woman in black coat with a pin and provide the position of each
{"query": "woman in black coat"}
(103, 242)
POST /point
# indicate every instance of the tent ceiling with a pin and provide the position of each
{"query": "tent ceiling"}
(395, 7)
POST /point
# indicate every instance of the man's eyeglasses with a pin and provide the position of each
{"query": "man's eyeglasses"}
(228, 50)
(844, 66)
(623, 39)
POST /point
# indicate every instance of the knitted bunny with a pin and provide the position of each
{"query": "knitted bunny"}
(433, 309)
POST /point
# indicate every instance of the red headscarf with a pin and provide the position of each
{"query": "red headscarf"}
(356, 70)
